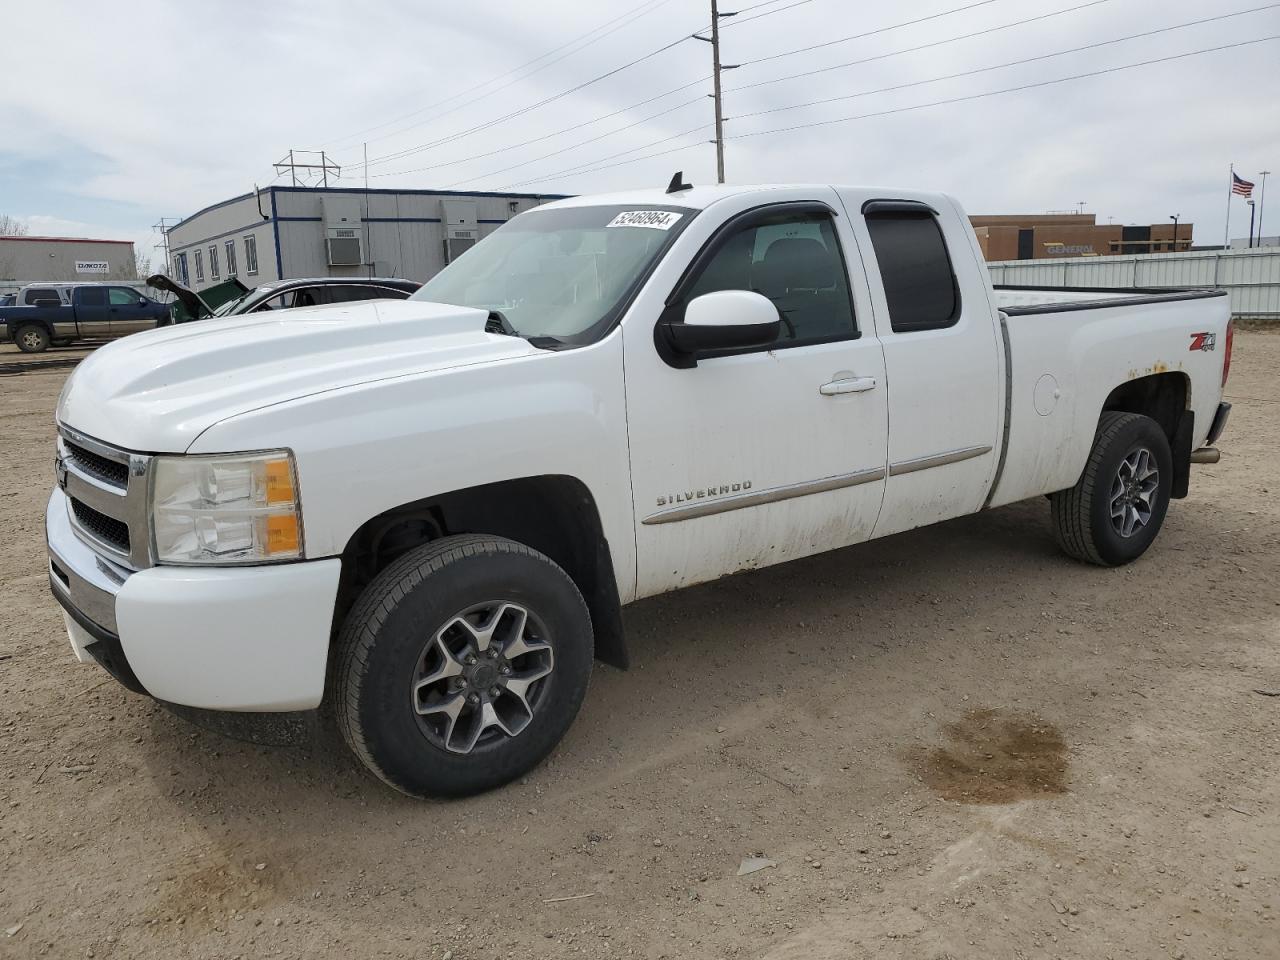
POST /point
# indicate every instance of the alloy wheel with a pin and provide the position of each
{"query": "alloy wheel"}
(1132, 492)
(482, 676)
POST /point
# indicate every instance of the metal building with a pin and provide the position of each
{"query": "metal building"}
(284, 232)
(63, 260)
(1250, 277)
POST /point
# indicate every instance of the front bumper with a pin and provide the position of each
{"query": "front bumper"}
(220, 638)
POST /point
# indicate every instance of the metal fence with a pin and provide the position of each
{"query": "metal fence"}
(1252, 277)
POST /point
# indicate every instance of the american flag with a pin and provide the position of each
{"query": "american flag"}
(1242, 187)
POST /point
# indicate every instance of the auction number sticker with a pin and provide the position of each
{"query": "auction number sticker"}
(653, 219)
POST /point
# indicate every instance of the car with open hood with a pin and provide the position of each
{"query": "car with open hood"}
(232, 298)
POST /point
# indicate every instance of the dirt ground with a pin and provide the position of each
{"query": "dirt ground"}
(953, 743)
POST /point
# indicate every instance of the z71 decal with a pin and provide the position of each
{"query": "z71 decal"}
(1204, 341)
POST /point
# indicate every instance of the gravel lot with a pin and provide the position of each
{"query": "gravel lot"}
(953, 743)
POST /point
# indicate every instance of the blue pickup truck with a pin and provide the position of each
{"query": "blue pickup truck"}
(61, 315)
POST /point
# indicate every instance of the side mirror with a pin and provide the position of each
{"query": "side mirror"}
(725, 320)
(142, 301)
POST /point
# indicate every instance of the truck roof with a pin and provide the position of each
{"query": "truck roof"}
(701, 197)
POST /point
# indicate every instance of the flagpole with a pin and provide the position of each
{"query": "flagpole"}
(1262, 203)
(1226, 231)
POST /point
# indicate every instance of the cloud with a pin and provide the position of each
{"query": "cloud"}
(135, 123)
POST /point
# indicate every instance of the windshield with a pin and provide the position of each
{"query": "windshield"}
(231, 304)
(565, 273)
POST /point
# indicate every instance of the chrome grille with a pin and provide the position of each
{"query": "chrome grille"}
(113, 532)
(106, 489)
(98, 466)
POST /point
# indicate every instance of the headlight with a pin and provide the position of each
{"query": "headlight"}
(237, 508)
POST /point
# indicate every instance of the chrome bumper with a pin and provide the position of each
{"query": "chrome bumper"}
(81, 580)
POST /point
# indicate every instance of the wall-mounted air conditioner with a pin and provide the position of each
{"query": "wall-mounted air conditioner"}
(343, 231)
(461, 231)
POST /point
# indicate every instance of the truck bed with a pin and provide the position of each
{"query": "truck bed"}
(1014, 300)
(1067, 349)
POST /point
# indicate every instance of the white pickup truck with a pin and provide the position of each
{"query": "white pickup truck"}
(429, 514)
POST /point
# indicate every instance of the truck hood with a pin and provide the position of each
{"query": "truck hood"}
(156, 392)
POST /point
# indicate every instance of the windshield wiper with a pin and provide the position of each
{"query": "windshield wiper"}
(498, 323)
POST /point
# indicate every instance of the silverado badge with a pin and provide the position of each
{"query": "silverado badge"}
(701, 494)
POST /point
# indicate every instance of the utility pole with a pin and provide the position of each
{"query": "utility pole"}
(716, 68)
(1174, 217)
(163, 228)
(292, 165)
(1262, 202)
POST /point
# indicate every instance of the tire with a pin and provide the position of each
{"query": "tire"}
(422, 618)
(1130, 470)
(31, 338)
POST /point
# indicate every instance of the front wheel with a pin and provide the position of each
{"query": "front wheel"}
(1114, 512)
(462, 665)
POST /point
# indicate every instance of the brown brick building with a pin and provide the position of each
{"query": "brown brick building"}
(1036, 236)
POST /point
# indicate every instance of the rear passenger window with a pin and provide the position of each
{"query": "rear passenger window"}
(346, 294)
(795, 261)
(34, 296)
(919, 284)
(92, 297)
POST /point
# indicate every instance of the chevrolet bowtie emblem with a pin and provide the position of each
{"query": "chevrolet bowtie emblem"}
(60, 472)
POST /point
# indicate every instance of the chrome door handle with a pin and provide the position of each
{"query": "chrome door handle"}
(848, 385)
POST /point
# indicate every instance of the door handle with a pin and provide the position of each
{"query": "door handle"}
(847, 385)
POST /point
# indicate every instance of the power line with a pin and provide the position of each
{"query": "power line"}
(506, 148)
(649, 156)
(411, 151)
(739, 20)
(585, 169)
(583, 143)
(1011, 63)
(923, 46)
(620, 153)
(652, 5)
(870, 33)
(993, 93)
(401, 154)
(517, 166)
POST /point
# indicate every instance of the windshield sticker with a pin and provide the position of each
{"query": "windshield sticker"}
(653, 219)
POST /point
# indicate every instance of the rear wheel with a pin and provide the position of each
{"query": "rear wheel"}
(32, 338)
(1114, 512)
(462, 665)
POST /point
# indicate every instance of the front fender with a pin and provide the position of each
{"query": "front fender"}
(365, 449)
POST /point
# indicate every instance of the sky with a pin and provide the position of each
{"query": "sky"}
(155, 109)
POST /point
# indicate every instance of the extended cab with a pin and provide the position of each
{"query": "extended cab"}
(53, 315)
(431, 512)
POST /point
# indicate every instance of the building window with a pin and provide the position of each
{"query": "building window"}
(199, 267)
(180, 269)
(213, 263)
(251, 254)
(231, 258)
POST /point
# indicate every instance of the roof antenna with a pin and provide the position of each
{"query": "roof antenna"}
(677, 183)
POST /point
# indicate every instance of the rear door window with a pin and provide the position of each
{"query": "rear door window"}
(346, 293)
(915, 268)
(32, 297)
(92, 297)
